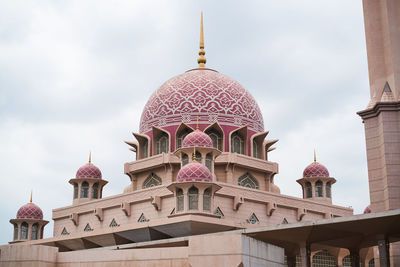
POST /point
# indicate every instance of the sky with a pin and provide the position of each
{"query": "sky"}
(75, 76)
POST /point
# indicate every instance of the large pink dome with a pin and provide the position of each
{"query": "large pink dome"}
(88, 171)
(197, 139)
(315, 169)
(194, 172)
(30, 211)
(202, 94)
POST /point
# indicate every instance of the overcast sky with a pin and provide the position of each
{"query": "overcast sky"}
(75, 76)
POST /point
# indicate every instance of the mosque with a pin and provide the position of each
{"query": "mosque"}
(202, 178)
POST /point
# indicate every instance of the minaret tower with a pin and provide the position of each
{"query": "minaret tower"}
(88, 183)
(29, 224)
(381, 118)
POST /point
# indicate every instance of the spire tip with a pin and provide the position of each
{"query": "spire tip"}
(201, 59)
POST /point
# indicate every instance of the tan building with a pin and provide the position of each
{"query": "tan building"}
(202, 171)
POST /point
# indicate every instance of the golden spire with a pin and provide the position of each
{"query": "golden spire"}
(30, 200)
(90, 157)
(201, 59)
(194, 154)
(315, 156)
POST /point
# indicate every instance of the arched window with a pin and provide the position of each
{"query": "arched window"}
(209, 161)
(24, 231)
(199, 158)
(35, 230)
(318, 189)
(152, 180)
(308, 190)
(181, 135)
(185, 159)
(15, 231)
(216, 138)
(328, 189)
(76, 190)
(179, 200)
(207, 199)
(323, 259)
(95, 192)
(247, 180)
(256, 149)
(371, 263)
(193, 195)
(162, 143)
(237, 143)
(85, 190)
(145, 149)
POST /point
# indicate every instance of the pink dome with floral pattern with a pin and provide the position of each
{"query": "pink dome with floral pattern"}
(315, 169)
(202, 94)
(88, 171)
(197, 139)
(30, 211)
(194, 172)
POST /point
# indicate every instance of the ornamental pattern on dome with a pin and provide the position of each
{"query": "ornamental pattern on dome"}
(30, 211)
(316, 169)
(197, 139)
(194, 172)
(88, 171)
(204, 94)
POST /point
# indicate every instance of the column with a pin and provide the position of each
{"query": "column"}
(305, 253)
(383, 247)
(355, 258)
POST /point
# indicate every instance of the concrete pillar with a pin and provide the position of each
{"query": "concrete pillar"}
(305, 253)
(355, 258)
(291, 260)
(383, 247)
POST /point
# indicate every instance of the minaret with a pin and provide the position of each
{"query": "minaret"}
(381, 118)
(29, 223)
(88, 183)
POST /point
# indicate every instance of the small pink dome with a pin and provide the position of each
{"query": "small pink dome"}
(367, 209)
(315, 169)
(30, 211)
(194, 172)
(88, 171)
(197, 139)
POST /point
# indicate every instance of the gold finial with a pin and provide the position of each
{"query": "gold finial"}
(90, 157)
(30, 200)
(201, 59)
(315, 156)
(194, 154)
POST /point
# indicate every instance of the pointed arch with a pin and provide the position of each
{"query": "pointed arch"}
(179, 199)
(207, 199)
(15, 231)
(95, 191)
(323, 258)
(181, 133)
(318, 189)
(85, 190)
(144, 145)
(35, 231)
(217, 135)
(193, 198)
(152, 180)
(161, 141)
(238, 141)
(308, 190)
(24, 231)
(257, 141)
(247, 180)
(284, 221)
